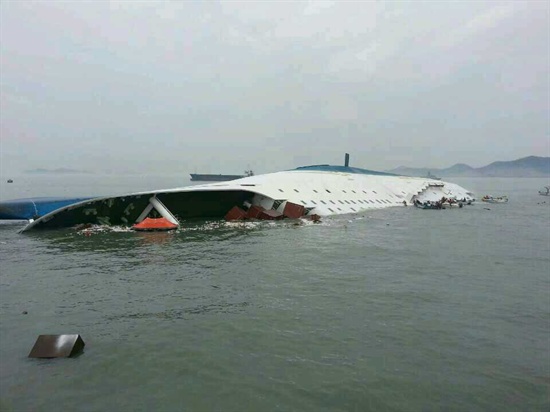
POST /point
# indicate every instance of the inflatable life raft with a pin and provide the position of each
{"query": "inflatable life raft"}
(154, 224)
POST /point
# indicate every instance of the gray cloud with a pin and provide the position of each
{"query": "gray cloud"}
(216, 87)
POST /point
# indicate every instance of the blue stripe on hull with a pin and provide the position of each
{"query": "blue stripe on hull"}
(33, 208)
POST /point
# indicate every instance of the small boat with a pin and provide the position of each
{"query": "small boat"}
(493, 199)
(427, 205)
(545, 191)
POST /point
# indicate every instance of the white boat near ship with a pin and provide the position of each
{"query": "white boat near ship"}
(322, 190)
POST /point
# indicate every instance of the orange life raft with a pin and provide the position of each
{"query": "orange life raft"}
(156, 224)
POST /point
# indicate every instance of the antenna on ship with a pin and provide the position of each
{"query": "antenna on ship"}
(346, 162)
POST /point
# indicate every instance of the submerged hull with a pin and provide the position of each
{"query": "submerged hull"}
(322, 190)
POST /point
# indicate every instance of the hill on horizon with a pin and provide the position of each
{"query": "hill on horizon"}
(530, 166)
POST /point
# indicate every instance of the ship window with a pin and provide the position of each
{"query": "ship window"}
(347, 202)
(339, 209)
(378, 201)
(364, 192)
(315, 191)
(353, 209)
(323, 202)
(328, 191)
(332, 202)
(372, 201)
(331, 210)
(354, 191)
(303, 202)
(374, 192)
(314, 202)
(341, 202)
(281, 190)
(296, 190)
(344, 191)
(403, 192)
(353, 202)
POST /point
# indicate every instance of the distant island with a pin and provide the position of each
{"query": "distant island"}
(61, 170)
(531, 166)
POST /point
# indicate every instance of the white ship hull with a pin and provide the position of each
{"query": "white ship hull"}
(322, 190)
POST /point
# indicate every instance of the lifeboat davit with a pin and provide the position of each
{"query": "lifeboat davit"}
(155, 224)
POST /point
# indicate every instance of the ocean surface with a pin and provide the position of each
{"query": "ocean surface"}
(399, 309)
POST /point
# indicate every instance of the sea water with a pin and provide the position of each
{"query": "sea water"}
(398, 309)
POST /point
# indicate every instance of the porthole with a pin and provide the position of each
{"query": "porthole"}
(281, 190)
(328, 191)
(354, 191)
(339, 209)
(296, 190)
(323, 202)
(374, 192)
(347, 202)
(313, 201)
(344, 191)
(331, 201)
(341, 202)
(331, 210)
(315, 191)
(353, 202)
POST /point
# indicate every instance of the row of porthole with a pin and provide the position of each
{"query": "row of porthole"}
(381, 201)
(328, 191)
(364, 202)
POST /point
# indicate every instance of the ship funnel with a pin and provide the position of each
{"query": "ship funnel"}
(347, 160)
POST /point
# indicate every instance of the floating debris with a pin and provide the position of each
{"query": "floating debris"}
(57, 346)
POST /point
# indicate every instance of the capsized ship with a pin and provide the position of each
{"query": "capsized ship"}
(322, 190)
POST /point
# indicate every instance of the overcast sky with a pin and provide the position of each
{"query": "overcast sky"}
(221, 86)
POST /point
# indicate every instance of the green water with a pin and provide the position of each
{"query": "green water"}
(393, 310)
